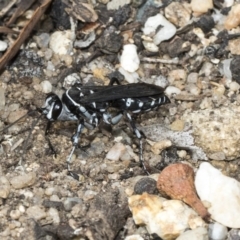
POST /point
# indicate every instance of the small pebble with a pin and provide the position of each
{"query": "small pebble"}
(54, 198)
(70, 80)
(2, 98)
(36, 212)
(24, 180)
(4, 187)
(129, 77)
(217, 231)
(3, 46)
(171, 91)
(166, 31)
(89, 194)
(178, 13)
(233, 18)
(234, 86)
(201, 6)
(70, 202)
(158, 147)
(182, 154)
(46, 86)
(48, 54)
(234, 234)
(224, 68)
(161, 81)
(116, 151)
(49, 191)
(86, 41)
(42, 40)
(150, 46)
(134, 237)
(129, 59)
(61, 42)
(15, 214)
(199, 233)
(53, 213)
(116, 4)
(147, 185)
(28, 95)
(192, 77)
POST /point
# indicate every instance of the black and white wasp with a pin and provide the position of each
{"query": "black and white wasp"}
(89, 105)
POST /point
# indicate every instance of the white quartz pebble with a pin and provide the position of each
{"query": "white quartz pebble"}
(171, 90)
(217, 231)
(61, 42)
(3, 46)
(129, 77)
(46, 86)
(129, 59)
(166, 31)
(221, 192)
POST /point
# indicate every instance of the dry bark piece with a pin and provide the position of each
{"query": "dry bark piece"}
(177, 182)
(81, 10)
(7, 30)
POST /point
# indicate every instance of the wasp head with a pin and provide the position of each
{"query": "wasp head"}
(52, 107)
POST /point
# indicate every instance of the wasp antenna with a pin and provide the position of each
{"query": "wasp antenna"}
(10, 125)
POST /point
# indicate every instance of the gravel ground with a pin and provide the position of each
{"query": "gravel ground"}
(198, 66)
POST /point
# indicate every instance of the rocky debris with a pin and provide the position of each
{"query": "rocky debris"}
(178, 13)
(116, 152)
(199, 7)
(22, 181)
(217, 231)
(223, 205)
(61, 42)
(177, 182)
(5, 187)
(189, 48)
(167, 218)
(221, 128)
(105, 217)
(233, 19)
(199, 233)
(178, 138)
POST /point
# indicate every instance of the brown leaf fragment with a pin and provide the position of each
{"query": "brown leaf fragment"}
(81, 11)
(177, 182)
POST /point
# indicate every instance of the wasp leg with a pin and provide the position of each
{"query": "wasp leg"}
(139, 136)
(107, 118)
(49, 123)
(114, 80)
(75, 140)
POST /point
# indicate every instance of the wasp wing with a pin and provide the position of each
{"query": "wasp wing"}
(110, 93)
